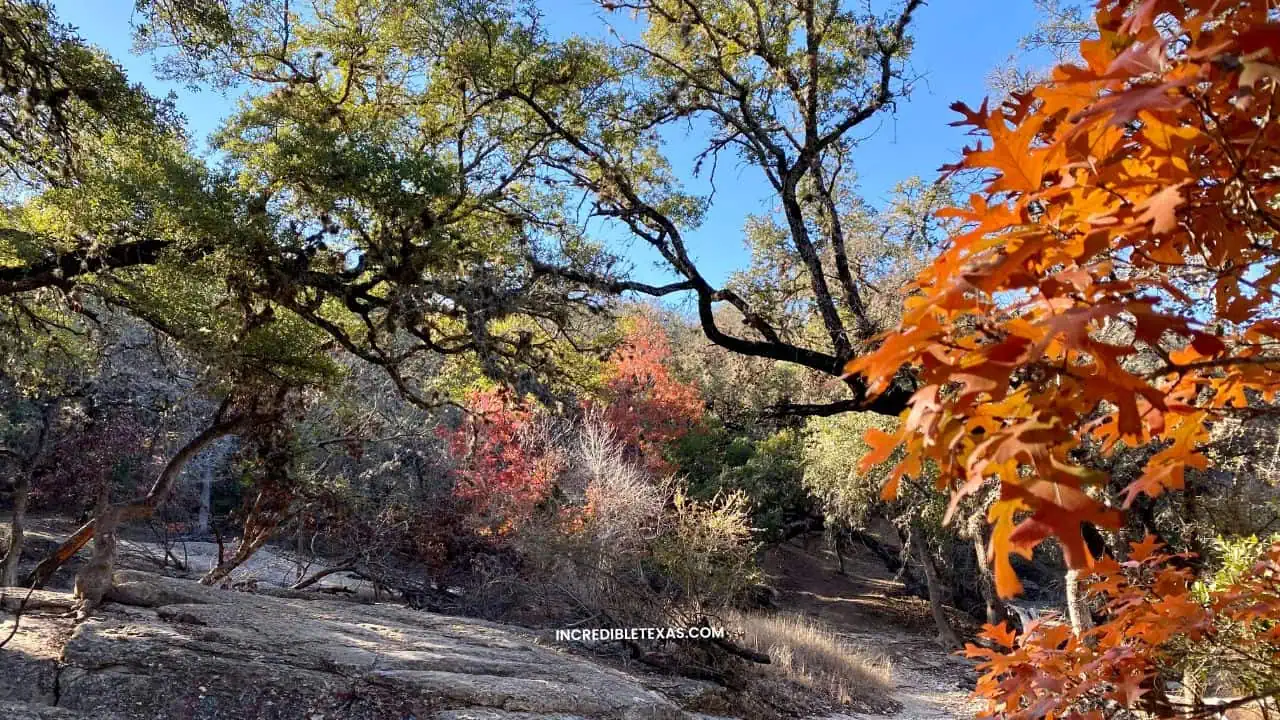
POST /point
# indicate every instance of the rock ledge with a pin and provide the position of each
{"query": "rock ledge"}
(168, 648)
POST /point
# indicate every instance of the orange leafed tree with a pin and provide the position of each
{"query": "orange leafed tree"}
(1154, 616)
(1114, 282)
(647, 406)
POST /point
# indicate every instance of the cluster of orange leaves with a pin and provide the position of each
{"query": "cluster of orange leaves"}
(1114, 283)
(500, 476)
(1047, 671)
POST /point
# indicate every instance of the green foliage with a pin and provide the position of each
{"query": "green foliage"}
(1235, 558)
(122, 191)
(771, 480)
(59, 95)
(1227, 663)
(703, 454)
(850, 496)
(766, 472)
(886, 243)
(832, 449)
(399, 200)
(44, 347)
(707, 552)
(133, 187)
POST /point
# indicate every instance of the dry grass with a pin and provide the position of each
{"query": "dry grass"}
(807, 653)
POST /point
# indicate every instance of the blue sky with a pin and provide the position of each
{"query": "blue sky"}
(957, 43)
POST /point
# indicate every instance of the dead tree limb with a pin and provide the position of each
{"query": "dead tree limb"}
(742, 652)
(347, 566)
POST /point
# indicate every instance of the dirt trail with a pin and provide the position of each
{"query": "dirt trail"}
(868, 607)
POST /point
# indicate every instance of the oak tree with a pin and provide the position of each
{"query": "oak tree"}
(1113, 286)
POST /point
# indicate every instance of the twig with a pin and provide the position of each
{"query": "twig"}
(17, 614)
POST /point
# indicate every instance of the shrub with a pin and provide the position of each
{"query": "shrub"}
(832, 447)
(767, 471)
(707, 554)
(648, 407)
(616, 546)
(500, 474)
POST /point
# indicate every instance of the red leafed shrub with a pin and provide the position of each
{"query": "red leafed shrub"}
(506, 466)
(501, 475)
(83, 456)
(648, 407)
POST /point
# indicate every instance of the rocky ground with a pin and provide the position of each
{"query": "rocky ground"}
(170, 648)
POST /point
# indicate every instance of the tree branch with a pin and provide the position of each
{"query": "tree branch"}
(61, 270)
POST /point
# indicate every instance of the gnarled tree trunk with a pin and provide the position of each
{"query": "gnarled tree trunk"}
(937, 602)
(143, 507)
(95, 578)
(17, 532)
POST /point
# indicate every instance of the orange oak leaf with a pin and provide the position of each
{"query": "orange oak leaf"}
(1014, 153)
(1161, 209)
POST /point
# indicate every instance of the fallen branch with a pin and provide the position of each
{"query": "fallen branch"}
(742, 652)
(318, 576)
(668, 664)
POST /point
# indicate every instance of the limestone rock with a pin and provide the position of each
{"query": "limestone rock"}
(29, 662)
(180, 650)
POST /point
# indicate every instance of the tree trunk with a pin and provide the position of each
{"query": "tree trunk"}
(22, 496)
(1192, 684)
(17, 532)
(901, 566)
(997, 612)
(206, 502)
(1077, 607)
(95, 579)
(946, 634)
(138, 509)
(244, 551)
